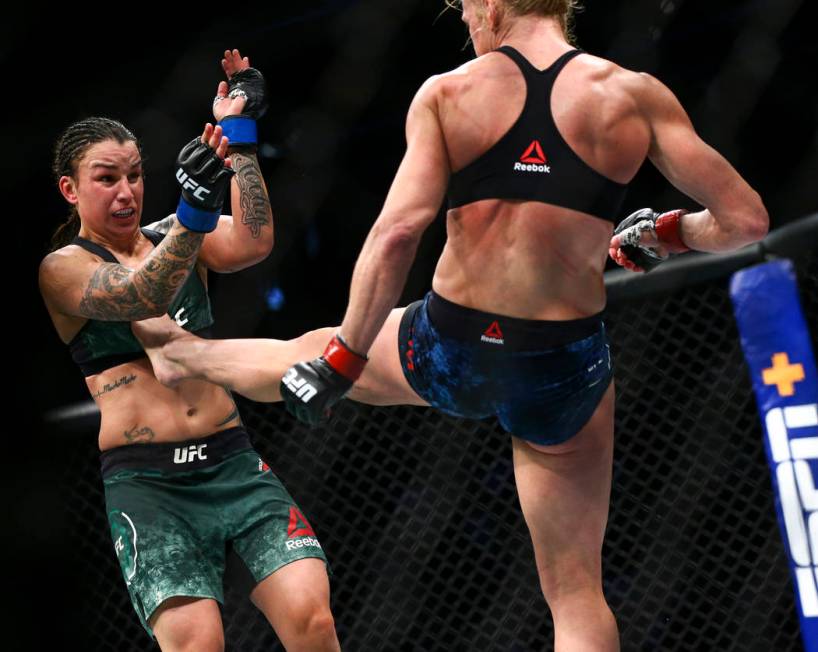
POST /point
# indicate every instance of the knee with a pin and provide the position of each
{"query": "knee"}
(182, 632)
(192, 638)
(314, 623)
(569, 580)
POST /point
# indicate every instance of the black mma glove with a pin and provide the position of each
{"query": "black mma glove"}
(205, 181)
(664, 226)
(310, 389)
(241, 129)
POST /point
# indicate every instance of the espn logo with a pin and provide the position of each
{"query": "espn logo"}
(298, 386)
(189, 184)
(798, 494)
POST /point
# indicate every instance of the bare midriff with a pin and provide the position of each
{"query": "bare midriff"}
(137, 409)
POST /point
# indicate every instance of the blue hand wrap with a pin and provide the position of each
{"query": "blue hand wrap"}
(195, 219)
(240, 130)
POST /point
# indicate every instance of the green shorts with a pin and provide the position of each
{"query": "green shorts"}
(174, 509)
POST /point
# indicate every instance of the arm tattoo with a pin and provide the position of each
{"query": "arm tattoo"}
(137, 435)
(162, 226)
(116, 293)
(255, 205)
(125, 380)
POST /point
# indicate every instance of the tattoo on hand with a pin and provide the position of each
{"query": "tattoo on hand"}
(255, 206)
(116, 293)
(137, 435)
(125, 380)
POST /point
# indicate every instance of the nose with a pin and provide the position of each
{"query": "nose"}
(124, 191)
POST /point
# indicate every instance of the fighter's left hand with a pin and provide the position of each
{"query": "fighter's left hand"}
(244, 92)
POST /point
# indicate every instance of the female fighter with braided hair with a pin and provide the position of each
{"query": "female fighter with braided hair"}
(534, 143)
(182, 482)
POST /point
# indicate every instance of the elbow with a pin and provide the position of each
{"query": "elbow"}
(397, 240)
(757, 223)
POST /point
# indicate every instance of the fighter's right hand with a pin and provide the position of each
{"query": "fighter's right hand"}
(310, 389)
(204, 175)
(646, 238)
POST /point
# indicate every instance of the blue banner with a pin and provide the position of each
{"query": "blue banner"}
(776, 343)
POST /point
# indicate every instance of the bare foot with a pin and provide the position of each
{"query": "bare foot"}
(164, 342)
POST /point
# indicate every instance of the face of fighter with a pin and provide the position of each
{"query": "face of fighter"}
(107, 188)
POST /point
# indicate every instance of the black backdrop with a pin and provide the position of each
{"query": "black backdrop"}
(342, 73)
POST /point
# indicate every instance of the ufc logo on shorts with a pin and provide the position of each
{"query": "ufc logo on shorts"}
(798, 493)
(189, 454)
(189, 184)
(298, 386)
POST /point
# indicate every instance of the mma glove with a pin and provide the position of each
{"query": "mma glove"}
(241, 129)
(205, 181)
(665, 227)
(310, 389)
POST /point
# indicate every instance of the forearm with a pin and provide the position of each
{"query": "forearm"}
(377, 282)
(250, 205)
(725, 231)
(116, 293)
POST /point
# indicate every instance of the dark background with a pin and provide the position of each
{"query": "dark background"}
(341, 75)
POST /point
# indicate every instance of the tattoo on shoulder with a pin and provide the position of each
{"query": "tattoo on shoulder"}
(255, 206)
(139, 435)
(108, 387)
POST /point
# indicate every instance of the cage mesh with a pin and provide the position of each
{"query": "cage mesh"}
(419, 517)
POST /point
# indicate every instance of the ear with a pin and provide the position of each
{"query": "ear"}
(68, 188)
(494, 14)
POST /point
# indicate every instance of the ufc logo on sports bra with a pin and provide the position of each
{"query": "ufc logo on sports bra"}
(189, 184)
(189, 454)
(300, 387)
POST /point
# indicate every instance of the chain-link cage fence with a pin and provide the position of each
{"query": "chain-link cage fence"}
(419, 517)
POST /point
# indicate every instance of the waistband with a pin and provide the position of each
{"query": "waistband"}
(178, 455)
(470, 325)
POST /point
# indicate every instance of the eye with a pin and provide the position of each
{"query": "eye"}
(133, 177)
(106, 178)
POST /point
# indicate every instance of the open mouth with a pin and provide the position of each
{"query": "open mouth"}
(125, 213)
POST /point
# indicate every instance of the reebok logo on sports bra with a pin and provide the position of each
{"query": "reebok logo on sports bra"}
(533, 160)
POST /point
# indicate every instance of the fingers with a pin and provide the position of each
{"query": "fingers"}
(207, 133)
(215, 140)
(233, 62)
(622, 260)
(221, 148)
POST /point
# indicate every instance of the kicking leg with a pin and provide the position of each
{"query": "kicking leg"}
(251, 367)
(254, 367)
(564, 493)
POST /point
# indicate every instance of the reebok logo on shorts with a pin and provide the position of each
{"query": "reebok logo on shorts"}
(533, 160)
(262, 466)
(299, 532)
(493, 334)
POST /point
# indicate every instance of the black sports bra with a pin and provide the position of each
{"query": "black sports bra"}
(532, 161)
